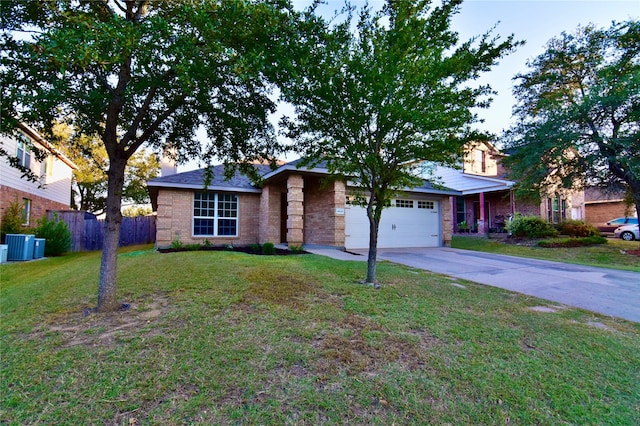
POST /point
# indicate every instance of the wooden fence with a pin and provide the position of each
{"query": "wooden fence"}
(87, 232)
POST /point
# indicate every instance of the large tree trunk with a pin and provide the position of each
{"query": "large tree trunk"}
(107, 295)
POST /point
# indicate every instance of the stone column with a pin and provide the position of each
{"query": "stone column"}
(263, 223)
(339, 201)
(295, 210)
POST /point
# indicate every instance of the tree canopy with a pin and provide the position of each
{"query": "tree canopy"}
(578, 113)
(396, 90)
(141, 73)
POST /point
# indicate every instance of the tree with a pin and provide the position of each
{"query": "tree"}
(578, 113)
(392, 92)
(141, 73)
(90, 181)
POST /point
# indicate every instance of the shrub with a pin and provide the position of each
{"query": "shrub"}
(177, 244)
(268, 249)
(578, 228)
(12, 220)
(531, 227)
(255, 248)
(573, 242)
(295, 249)
(193, 247)
(56, 234)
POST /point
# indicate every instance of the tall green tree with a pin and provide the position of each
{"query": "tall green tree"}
(141, 73)
(391, 92)
(578, 113)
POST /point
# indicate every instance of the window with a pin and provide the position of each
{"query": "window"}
(26, 211)
(556, 209)
(461, 215)
(426, 204)
(481, 158)
(406, 204)
(24, 151)
(48, 166)
(215, 214)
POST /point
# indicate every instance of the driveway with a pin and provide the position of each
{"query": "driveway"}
(606, 291)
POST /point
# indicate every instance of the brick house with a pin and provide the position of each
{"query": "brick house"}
(602, 206)
(51, 192)
(482, 181)
(296, 206)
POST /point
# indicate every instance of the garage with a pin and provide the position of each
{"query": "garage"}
(407, 223)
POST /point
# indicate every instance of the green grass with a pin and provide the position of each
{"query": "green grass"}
(610, 255)
(231, 338)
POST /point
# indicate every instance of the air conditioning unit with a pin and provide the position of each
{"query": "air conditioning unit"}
(4, 249)
(20, 246)
(38, 248)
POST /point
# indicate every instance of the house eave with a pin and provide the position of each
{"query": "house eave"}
(200, 187)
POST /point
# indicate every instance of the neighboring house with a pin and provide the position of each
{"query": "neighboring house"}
(482, 181)
(51, 192)
(602, 206)
(297, 206)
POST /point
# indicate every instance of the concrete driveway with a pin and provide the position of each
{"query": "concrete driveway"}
(606, 291)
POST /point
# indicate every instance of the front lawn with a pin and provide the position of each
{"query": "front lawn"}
(613, 254)
(232, 338)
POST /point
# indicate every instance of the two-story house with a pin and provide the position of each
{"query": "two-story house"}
(487, 197)
(53, 189)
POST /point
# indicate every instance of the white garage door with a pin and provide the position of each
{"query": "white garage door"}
(407, 223)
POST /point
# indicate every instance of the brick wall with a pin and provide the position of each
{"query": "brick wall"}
(323, 224)
(599, 213)
(39, 205)
(174, 219)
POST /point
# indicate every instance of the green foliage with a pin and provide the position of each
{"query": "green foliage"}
(573, 242)
(177, 244)
(229, 247)
(207, 243)
(192, 247)
(578, 117)
(268, 249)
(255, 248)
(578, 228)
(373, 101)
(295, 249)
(12, 220)
(149, 74)
(135, 211)
(531, 227)
(57, 235)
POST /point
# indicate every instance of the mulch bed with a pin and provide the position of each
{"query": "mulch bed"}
(240, 249)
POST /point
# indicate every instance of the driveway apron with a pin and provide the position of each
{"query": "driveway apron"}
(606, 291)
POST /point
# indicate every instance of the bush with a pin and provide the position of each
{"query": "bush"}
(268, 249)
(12, 220)
(255, 248)
(578, 228)
(531, 227)
(56, 234)
(573, 242)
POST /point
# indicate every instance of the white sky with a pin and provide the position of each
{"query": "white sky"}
(534, 21)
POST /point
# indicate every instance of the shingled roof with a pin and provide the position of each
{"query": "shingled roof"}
(241, 183)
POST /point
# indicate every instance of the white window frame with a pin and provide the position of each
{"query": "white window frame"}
(404, 204)
(23, 151)
(219, 210)
(26, 211)
(426, 204)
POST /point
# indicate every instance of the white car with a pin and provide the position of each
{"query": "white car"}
(627, 232)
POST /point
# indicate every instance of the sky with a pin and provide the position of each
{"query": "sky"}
(534, 21)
